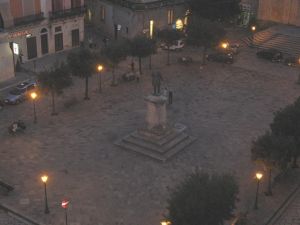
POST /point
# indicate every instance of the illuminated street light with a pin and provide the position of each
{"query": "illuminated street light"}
(225, 45)
(100, 69)
(165, 222)
(44, 178)
(253, 29)
(33, 96)
(65, 204)
(258, 177)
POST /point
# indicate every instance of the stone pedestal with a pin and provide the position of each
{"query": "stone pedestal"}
(158, 139)
(156, 117)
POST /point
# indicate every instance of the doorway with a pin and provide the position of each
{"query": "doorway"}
(31, 47)
(44, 44)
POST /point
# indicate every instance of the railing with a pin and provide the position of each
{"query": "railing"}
(67, 13)
(150, 5)
(29, 19)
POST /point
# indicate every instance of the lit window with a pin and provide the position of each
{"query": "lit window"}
(170, 16)
(151, 28)
(102, 13)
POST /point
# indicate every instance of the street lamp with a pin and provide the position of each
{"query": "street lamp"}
(165, 222)
(253, 29)
(99, 68)
(258, 177)
(224, 45)
(44, 178)
(33, 96)
(64, 204)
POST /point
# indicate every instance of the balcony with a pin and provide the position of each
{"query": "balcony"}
(25, 20)
(72, 12)
(150, 5)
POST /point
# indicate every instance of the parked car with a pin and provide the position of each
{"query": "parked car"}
(220, 57)
(178, 45)
(27, 85)
(129, 76)
(291, 61)
(271, 54)
(15, 96)
(233, 48)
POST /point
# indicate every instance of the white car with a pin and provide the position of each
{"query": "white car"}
(178, 45)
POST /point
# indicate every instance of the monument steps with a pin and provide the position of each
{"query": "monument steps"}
(155, 147)
(189, 140)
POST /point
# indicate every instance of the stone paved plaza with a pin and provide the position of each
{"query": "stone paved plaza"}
(224, 106)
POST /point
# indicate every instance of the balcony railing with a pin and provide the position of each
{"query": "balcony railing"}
(20, 21)
(78, 11)
(150, 5)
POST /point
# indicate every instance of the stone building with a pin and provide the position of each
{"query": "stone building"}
(281, 11)
(127, 18)
(40, 27)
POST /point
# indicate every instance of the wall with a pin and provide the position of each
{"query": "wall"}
(281, 11)
(6, 59)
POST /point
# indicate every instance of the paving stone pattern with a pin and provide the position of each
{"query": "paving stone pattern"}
(225, 106)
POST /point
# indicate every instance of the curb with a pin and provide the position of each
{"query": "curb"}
(282, 208)
(18, 215)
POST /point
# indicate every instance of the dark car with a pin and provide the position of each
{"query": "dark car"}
(220, 57)
(185, 60)
(291, 61)
(273, 55)
(27, 85)
(15, 96)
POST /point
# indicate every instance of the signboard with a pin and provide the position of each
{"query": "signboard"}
(119, 27)
(16, 49)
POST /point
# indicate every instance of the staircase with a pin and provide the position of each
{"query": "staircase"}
(286, 42)
(157, 146)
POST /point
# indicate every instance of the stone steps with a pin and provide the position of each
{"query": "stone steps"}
(160, 147)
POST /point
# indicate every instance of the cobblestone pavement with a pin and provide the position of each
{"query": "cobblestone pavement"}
(224, 106)
(6, 219)
(291, 215)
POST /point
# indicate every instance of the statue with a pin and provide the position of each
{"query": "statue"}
(156, 80)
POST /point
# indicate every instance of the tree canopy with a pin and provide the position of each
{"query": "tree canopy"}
(215, 10)
(141, 46)
(203, 199)
(83, 64)
(54, 81)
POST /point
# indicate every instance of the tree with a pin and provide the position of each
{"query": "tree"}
(169, 36)
(55, 81)
(141, 47)
(272, 151)
(203, 199)
(115, 52)
(286, 123)
(201, 32)
(215, 10)
(83, 64)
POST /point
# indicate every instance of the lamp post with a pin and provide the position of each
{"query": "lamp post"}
(44, 179)
(258, 177)
(253, 29)
(224, 45)
(64, 204)
(33, 96)
(100, 68)
(165, 222)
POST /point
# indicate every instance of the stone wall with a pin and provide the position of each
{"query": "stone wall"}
(6, 59)
(281, 11)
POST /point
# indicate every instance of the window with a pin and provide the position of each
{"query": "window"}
(127, 30)
(44, 41)
(59, 44)
(57, 5)
(57, 29)
(75, 3)
(75, 37)
(102, 13)
(1, 22)
(170, 16)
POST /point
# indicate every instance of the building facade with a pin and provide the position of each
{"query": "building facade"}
(128, 18)
(248, 11)
(280, 11)
(40, 27)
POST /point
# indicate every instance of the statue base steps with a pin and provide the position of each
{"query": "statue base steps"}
(157, 143)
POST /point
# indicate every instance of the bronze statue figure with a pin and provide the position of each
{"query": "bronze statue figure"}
(156, 81)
